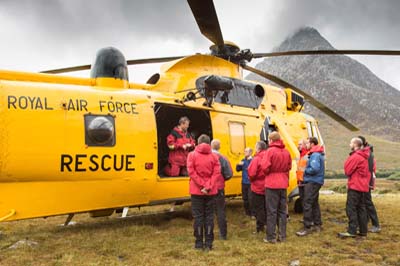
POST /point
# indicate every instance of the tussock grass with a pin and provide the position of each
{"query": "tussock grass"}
(394, 176)
(166, 239)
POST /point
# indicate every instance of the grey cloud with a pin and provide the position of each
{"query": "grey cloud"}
(55, 33)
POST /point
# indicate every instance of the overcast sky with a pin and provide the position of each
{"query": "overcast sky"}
(47, 34)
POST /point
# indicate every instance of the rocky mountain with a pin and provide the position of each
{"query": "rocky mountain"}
(340, 82)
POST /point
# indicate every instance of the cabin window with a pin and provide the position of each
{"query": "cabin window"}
(167, 117)
(309, 129)
(315, 132)
(265, 131)
(99, 130)
(264, 135)
(237, 137)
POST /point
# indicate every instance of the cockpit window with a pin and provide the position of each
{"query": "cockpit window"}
(231, 91)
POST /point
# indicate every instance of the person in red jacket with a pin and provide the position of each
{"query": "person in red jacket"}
(180, 143)
(356, 168)
(276, 164)
(204, 169)
(257, 187)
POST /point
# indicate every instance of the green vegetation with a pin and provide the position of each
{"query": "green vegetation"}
(394, 176)
(166, 239)
(337, 141)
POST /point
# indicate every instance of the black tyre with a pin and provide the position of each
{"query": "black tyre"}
(298, 206)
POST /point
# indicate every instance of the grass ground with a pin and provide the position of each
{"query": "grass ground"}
(166, 239)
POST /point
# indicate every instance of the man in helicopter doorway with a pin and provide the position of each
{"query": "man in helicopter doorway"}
(180, 143)
(225, 174)
(204, 169)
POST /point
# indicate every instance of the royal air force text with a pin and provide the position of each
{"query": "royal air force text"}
(42, 103)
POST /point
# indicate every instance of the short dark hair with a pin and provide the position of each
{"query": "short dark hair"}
(313, 140)
(261, 145)
(364, 141)
(183, 119)
(203, 139)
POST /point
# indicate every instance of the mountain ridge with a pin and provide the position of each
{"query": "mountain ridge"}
(338, 81)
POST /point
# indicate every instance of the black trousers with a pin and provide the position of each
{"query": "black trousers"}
(258, 203)
(246, 196)
(311, 210)
(203, 225)
(356, 212)
(371, 211)
(220, 212)
(275, 202)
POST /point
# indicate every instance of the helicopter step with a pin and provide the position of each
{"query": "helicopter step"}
(5, 217)
(69, 219)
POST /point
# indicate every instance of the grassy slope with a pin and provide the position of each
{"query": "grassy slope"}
(337, 140)
(167, 239)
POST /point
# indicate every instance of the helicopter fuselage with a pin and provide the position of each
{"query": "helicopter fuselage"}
(55, 159)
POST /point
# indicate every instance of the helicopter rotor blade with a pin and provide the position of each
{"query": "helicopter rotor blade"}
(328, 52)
(66, 69)
(307, 97)
(128, 62)
(153, 60)
(207, 20)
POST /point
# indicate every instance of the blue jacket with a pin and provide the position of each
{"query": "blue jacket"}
(243, 168)
(315, 169)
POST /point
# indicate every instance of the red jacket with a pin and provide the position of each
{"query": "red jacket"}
(356, 168)
(203, 168)
(175, 141)
(276, 165)
(304, 152)
(256, 174)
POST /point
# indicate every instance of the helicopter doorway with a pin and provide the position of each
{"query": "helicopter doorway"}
(167, 117)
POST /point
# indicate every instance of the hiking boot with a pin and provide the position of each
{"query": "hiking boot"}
(281, 239)
(198, 247)
(272, 241)
(208, 248)
(345, 235)
(316, 228)
(375, 229)
(259, 229)
(362, 234)
(304, 232)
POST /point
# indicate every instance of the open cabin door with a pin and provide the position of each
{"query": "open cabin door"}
(167, 117)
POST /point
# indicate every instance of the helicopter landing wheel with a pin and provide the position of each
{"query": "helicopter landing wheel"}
(298, 206)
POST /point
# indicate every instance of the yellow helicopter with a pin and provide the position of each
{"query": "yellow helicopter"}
(72, 145)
